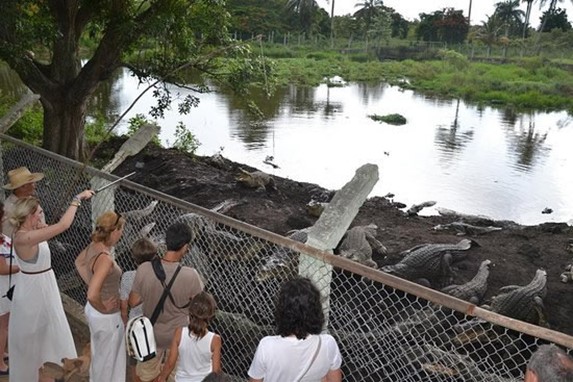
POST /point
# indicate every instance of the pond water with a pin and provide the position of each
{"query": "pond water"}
(475, 160)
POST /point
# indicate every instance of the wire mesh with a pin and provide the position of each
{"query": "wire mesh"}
(384, 333)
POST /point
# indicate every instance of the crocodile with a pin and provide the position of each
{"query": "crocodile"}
(523, 303)
(567, 275)
(413, 211)
(359, 242)
(315, 208)
(465, 229)
(259, 180)
(281, 259)
(474, 290)
(429, 264)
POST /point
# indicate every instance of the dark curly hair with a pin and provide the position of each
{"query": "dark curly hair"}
(299, 310)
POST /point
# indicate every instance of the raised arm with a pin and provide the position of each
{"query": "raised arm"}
(33, 237)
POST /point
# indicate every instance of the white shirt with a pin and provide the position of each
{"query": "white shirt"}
(280, 359)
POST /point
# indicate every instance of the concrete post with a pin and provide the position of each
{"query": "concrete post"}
(333, 223)
(105, 200)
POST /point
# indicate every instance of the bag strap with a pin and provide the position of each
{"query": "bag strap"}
(10, 274)
(160, 274)
(161, 301)
(311, 361)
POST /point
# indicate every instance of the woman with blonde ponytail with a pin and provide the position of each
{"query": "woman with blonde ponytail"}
(198, 349)
(98, 269)
(38, 328)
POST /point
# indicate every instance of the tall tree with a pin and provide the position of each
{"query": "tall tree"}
(556, 19)
(527, 16)
(368, 10)
(509, 14)
(488, 32)
(178, 31)
(550, 9)
(305, 9)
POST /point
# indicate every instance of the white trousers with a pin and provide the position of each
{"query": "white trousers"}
(107, 345)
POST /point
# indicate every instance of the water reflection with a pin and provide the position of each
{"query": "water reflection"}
(510, 165)
(453, 139)
(527, 146)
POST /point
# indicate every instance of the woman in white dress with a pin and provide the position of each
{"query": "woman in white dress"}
(38, 328)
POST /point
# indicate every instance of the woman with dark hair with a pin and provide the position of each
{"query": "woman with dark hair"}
(97, 267)
(299, 352)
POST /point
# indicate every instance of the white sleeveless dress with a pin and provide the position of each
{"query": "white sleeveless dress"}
(38, 331)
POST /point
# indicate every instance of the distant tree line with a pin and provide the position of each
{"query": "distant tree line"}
(373, 20)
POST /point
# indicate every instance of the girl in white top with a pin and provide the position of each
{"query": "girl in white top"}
(198, 349)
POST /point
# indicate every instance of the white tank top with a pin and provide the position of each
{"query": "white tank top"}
(194, 357)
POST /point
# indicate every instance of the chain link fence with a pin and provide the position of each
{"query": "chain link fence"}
(388, 329)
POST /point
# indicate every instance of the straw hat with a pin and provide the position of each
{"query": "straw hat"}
(21, 176)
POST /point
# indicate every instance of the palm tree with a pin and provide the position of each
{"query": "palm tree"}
(527, 15)
(305, 10)
(368, 9)
(489, 31)
(508, 13)
(470, 14)
(332, 25)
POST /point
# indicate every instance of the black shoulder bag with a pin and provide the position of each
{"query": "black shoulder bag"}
(166, 289)
(10, 293)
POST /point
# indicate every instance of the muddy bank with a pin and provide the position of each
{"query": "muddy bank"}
(515, 251)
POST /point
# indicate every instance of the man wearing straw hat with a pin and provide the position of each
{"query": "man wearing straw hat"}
(22, 183)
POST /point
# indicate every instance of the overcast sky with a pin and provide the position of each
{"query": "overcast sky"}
(411, 8)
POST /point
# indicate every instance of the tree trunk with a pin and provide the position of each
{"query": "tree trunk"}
(64, 127)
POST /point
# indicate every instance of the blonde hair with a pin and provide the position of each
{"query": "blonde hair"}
(22, 209)
(107, 223)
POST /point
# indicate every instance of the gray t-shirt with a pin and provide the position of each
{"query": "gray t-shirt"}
(187, 284)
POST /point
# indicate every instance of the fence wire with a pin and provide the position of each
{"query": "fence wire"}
(387, 329)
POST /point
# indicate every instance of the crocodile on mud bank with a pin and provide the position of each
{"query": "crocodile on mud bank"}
(430, 264)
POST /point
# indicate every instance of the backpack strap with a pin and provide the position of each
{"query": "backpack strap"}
(161, 301)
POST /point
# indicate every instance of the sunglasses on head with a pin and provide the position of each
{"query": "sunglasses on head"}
(115, 225)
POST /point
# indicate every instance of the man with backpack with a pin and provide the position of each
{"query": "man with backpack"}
(151, 280)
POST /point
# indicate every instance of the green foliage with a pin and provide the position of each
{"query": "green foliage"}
(29, 127)
(391, 119)
(96, 130)
(136, 122)
(455, 59)
(448, 25)
(185, 140)
(555, 19)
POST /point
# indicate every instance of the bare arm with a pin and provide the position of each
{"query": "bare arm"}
(123, 306)
(333, 376)
(255, 380)
(26, 240)
(216, 353)
(102, 265)
(134, 299)
(5, 267)
(172, 359)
